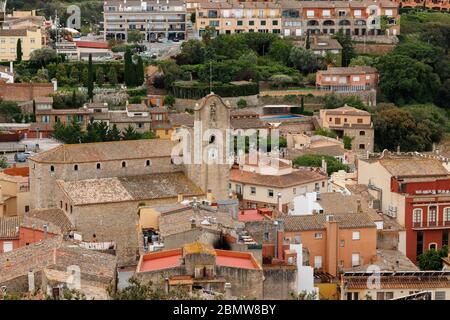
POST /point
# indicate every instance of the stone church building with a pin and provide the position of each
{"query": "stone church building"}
(100, 186)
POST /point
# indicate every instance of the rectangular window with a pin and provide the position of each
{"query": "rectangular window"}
(251, 23)
(318, 262)
(439, 295)
(239, 22)
(326, 13)
(7, 246)
(356, 78)
(356, 235)
(266, 236)
(342, 243)
(318, 235)
(388, 12)
(252, 190)
(419, 245)
(263, 22)
(310, 13)
(355, 260)
(357, 13)
(275, 22)
(270, 193)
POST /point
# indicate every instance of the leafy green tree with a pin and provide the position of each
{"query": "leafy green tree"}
(363, 61)
(310, 160)
(3, 162)
(347, 142)
(99, 76)
(42, 57)
(61, 74)
(192, 52)
(242, 103)
(442, 98)
(85, 77)
(399, 127)
(74, 75)
(406, 80)
(135, 36)
(280, 50)
(169, 100)
(112, 76)
(348, 51)
(9, 110)
(149, 135)
(303, 59)
(90, 84)
(42, 75)
(432, 259)
(208, 34)
(19, 53)
(113, 134)
(130, 133)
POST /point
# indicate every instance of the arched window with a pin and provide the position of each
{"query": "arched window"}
(417, 217)
(52, 168)
(75, 167)
(432, 246)
(148, 163)
(99, 166)
(124, 164)
(212, 138)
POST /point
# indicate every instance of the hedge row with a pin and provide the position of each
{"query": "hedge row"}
(198, 91)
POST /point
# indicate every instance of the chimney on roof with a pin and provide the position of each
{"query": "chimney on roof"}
(227, 290)
(359, 206)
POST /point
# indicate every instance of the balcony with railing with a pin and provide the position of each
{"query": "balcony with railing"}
(423, 225)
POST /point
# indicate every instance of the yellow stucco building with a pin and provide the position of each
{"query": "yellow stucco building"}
(31, 40)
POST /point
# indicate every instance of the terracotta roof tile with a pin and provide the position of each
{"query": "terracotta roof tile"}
(297, 177)
(107, 151)
(9, 227)
(317, 221)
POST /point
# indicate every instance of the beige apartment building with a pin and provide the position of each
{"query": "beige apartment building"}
(239, 17)
(14, 192)
(356, 18)
(347, 79)
(352, 122)
(273, 183)
(31, 40)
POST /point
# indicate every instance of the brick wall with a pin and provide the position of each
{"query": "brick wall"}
(24, 91)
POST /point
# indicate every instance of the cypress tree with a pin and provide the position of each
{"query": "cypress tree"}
(90, 78)
(129, 69)
(139, 75)
(307, 45)
(19, 53)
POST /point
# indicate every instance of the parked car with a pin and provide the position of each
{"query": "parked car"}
(21, 156)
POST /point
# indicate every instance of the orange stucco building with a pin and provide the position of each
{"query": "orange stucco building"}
(334, 242)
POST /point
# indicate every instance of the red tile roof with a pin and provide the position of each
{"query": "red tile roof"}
(161, 260)
(92, 44)
(235, 259)
(18, 171)
(172, 258)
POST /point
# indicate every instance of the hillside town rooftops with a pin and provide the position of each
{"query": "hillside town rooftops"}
(137, 107)
(107, 151)
(56, 253)
(133, 188)
(337, 4)
(414, 167)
